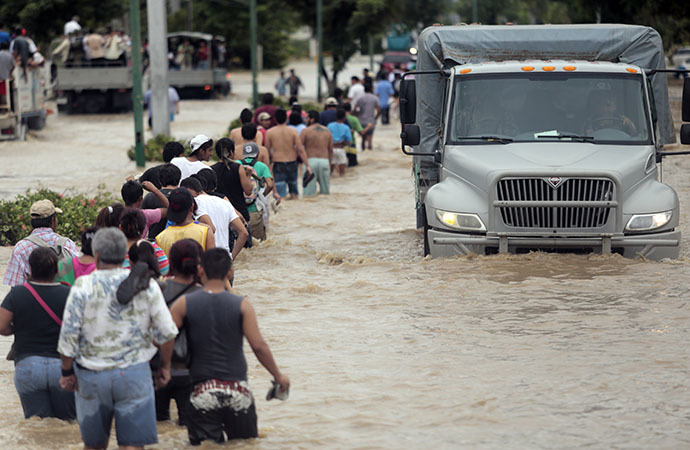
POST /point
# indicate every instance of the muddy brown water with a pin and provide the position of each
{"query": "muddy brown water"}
(386, 349)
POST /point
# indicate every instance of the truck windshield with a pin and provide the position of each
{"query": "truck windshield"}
(579, 107)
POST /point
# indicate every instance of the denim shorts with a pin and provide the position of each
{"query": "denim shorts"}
(285, 177)
(125, 394)
(37, 381)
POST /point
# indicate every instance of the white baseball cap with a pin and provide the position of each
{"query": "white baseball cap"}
(199, 140)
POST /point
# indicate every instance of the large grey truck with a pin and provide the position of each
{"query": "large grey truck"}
(542, 138)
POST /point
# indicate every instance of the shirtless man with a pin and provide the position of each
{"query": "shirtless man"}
(318, 144)
(285, 147)
(248, 134)
(246, 117)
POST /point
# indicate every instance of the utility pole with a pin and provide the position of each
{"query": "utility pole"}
(253, 44)
(319, 54)
(371, 54)
(158, 60)
(137, 101)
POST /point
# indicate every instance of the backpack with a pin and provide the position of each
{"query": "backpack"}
(65, 265)
(256, 187)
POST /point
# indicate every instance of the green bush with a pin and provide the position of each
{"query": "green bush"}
(78, 211)
(153, 149)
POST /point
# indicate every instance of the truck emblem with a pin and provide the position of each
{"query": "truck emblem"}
(555, 181)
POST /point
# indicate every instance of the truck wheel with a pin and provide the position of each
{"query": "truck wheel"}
(425, 228)
(36, 123)
(94, 103)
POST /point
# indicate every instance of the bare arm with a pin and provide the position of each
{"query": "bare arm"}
(206, 220)
(244, 180)
(330, 147)
(147, 185)
(250, 328)
(210, 239)
(269, 186)
(6, 317)
(242, 235)
(300, 151)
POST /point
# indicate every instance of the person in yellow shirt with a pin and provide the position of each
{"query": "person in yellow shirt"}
(180, 212)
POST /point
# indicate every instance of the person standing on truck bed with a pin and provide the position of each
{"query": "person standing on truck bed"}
(95, 44)
(72, 26)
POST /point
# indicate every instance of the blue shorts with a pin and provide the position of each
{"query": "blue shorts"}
(127, 395)
(285, 176)
(37, 381)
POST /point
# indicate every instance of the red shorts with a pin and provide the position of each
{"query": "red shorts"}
(3, 91)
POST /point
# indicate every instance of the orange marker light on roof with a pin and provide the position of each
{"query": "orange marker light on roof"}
(548, 68)
(527, 68)
(569, 68)
(631, 70)
(466, 71)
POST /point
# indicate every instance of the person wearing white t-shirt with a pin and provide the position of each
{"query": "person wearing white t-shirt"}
(202, 147)
(223, 215)
(356, 90)
(72, 26)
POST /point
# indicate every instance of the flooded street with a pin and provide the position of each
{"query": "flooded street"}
(386, 349)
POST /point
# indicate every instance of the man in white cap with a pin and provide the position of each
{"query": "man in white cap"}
(202, 147)
(44, 223)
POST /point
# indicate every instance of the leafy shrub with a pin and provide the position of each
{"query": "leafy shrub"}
(78, 211)
(153, 149)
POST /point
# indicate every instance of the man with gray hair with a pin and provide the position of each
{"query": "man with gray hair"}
(106, 345)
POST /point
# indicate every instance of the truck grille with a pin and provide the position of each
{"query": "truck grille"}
(542, 190)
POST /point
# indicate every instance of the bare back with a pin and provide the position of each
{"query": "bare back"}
(236, 136)
(317, 141)
(283, 143)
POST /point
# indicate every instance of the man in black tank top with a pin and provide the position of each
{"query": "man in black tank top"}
(217, 321)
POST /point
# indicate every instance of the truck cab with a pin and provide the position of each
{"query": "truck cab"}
(544, 154)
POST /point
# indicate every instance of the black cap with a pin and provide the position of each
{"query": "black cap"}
(181, 201)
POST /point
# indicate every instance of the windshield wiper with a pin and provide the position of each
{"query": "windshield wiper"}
(497, 139)
(574, 137)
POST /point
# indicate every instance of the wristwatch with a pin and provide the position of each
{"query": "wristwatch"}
(68, 372)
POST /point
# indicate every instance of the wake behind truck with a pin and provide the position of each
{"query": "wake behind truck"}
(542, 138)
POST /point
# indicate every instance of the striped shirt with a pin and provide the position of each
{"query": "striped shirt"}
(18, 267)
(163, 263)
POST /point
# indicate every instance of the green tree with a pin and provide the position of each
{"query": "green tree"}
(348, 24)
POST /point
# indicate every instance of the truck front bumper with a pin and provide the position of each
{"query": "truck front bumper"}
(652, 246)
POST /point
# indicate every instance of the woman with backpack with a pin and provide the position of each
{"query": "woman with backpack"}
(33, 313)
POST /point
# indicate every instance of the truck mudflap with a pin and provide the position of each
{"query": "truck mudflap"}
(651, 246)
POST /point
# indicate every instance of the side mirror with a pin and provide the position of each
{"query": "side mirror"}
(685, 134)
(408, 102)
(686, 100)
(410, 135)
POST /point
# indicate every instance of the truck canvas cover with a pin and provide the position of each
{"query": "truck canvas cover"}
(443, 47)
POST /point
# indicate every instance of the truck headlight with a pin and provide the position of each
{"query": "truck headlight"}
(646, 222)
(460, 221)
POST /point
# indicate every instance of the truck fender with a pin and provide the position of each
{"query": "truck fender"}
(455, 195)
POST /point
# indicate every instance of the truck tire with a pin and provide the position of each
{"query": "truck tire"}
(94, 103)
(36, 123)
(425, 229)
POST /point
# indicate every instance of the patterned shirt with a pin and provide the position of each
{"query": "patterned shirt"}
(161, 257)
(18, 267)
(102, 334)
